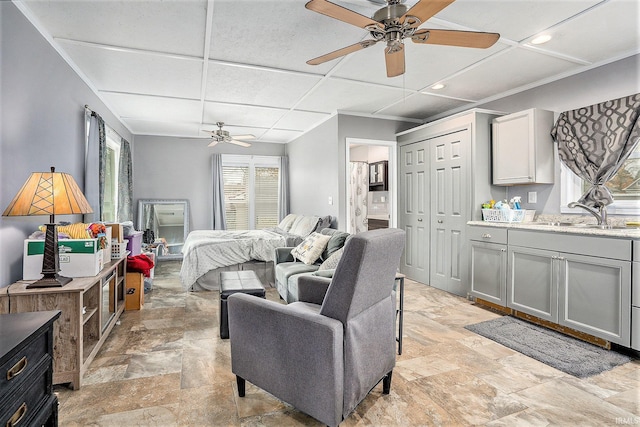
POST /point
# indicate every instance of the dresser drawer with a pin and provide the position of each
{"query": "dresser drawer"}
(23, 362)
(30, 394)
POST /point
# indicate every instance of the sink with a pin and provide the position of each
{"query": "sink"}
(607, 227)
(557, 224)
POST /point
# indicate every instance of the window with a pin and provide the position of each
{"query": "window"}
(110, 207)
(251, 191)
(624, 186)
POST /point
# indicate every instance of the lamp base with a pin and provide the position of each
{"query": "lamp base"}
(55, 281)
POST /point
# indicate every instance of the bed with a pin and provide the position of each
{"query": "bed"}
(206, 253)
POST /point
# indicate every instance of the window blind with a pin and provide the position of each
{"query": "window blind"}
(266, 197)
(236, 196)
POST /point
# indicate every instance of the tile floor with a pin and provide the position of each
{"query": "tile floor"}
(165, 365)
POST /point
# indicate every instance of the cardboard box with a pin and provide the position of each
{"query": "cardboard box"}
(116, 231)
(134, 297)
(78, 258)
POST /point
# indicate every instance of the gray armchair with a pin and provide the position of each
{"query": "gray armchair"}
(324, 358)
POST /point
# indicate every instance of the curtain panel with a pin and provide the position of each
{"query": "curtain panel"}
(125, 183)
(218, 212)
(595, 141)
(283, 193)
(359, 191)
(95, 163)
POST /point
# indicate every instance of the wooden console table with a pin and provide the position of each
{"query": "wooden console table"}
(90, 307)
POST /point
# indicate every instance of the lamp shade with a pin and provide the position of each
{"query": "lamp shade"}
(48, 193)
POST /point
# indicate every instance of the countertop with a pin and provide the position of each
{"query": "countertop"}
(628, 232)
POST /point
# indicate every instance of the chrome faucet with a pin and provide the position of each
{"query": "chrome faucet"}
(600, 214)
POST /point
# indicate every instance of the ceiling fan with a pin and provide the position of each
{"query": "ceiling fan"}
(220, 135)
(392, 24)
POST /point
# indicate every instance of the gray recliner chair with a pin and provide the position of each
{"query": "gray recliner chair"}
(324, 353)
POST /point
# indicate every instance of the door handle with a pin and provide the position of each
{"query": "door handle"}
(419, 219)
(440, 221)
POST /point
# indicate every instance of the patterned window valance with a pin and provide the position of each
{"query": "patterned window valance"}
(595, 141)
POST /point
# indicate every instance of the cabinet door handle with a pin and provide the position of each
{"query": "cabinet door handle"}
(17, 369)
(486, 236)
(503, 250)
(18, 415)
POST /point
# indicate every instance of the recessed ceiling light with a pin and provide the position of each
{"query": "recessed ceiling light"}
(541, 39)
(437, 86)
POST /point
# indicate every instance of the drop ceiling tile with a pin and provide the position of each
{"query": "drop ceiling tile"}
(242, 115)
(301, 120)
(337, 94)
(614, 29)
(161, 26)
(515, 20)
(281, 136)
(420, 106)
(155, 108)
(118, 71)
(161, 128)
(424, 64)
(227, 83)
(516, 68)
(281, 34)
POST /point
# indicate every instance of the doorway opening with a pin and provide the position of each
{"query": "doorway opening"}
(371, 184)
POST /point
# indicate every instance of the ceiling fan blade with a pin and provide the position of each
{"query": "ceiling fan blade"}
(247, 136)
(240, 143)
(341, 52)
(341, 13)
(395, 62)
(425, 9)
(456, 38)
(213, 143)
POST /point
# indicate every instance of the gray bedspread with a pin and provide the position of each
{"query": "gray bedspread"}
(206, 250)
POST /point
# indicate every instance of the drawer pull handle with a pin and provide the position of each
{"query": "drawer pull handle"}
(17, 369)
(486, 236)
(17, 416)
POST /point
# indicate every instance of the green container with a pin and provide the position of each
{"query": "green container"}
(67, 246)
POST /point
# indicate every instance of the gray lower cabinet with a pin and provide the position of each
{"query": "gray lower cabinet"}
(489, 264)
(573, 284)
(533, 286)
(594, 296)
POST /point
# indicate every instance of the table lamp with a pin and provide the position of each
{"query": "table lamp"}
(49, 193)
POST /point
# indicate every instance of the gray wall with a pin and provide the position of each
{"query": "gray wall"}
(607, 82)
(42, 124)
(317, 162)
(180, 168)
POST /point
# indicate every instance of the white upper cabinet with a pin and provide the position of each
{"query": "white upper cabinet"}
(523, 148)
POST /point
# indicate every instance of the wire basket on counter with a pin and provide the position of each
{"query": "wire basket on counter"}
(503, 215)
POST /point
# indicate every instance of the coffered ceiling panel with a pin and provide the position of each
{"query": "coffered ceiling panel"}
(515, 68)
(174, 67)
(338, 94)
(419, 105)
(257, 86)
(156, 25)
(147, 74)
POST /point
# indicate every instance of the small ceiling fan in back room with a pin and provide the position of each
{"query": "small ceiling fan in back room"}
(220, 135)
(392, 24)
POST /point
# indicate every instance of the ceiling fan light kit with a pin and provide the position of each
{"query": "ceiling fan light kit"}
(219, 135)
(392, 24)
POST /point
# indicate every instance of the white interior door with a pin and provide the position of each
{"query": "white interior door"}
(413, 202)
(449, 206)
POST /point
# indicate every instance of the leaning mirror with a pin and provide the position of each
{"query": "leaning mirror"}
(165, 224)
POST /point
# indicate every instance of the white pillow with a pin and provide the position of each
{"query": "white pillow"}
(332, 262)
(287, 222)
(304, 225)
(311, 248)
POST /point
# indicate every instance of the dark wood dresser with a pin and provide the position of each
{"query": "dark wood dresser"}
(26, 369)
